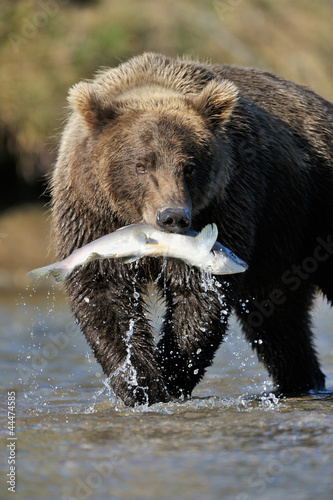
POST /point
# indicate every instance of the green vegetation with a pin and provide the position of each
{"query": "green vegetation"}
(48, 45)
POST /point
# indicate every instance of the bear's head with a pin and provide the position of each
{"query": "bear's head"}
(150, 153)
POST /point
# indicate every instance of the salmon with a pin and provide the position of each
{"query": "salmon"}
(133, 242)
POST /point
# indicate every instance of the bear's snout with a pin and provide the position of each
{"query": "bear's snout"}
(174, 220)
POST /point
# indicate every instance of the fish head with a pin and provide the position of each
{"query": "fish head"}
(224, 261)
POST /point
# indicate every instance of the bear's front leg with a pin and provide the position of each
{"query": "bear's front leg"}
(194, 326)
(110, 311)
(279, 330)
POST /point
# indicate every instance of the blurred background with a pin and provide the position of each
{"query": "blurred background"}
(48, 45)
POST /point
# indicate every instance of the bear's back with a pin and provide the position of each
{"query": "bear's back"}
(303, 111)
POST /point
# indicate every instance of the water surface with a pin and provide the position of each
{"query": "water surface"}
(75, 440)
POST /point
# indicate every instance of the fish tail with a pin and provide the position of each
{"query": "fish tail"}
(58, 274)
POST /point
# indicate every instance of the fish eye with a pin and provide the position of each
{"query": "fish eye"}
(141, 169)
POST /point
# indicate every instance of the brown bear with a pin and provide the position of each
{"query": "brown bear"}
(181, 144)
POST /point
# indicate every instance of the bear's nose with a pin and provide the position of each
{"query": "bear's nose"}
(173, 220)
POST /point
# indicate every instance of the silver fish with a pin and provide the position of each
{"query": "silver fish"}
(130, 243)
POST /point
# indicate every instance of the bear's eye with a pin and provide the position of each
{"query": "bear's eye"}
(188, 169)
(141, 169)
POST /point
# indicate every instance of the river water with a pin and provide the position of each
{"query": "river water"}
(74, 440)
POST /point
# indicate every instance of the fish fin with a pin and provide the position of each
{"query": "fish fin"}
(140, 236)
(60, 274)
(130, 259)
(93, 256)
(57, 273)
(207, 236)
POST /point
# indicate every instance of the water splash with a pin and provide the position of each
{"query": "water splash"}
(270, 402)
(126, 369)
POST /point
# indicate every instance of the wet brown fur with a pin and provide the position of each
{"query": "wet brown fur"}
(239, 147)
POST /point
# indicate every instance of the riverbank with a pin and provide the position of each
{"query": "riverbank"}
(25, 243)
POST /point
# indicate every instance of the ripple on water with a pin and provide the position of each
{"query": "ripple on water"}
(230, 441)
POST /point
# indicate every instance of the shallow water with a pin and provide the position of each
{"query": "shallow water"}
(75, 440)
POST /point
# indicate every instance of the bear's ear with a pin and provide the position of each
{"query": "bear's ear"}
(85, 100)
(216, 102)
